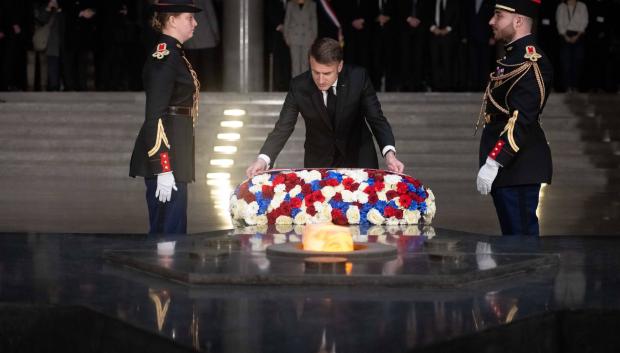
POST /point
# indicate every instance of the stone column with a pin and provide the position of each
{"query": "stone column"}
(243, 45)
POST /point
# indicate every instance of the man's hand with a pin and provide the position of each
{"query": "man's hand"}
(383, 19)
(258, 166)
(165, 184)
(280, 28)
(413, 21)
(393, 164)
(486, 176)
(358, 24)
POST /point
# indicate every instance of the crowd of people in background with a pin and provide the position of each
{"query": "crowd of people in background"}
(447, 45)
(406, 45)
(78, 45)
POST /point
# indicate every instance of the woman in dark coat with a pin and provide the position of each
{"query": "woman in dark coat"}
(164, 150)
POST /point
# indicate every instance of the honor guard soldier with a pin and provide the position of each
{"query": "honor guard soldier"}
(164, 150)
(515, 158)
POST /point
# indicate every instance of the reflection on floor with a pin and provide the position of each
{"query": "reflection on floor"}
(65, 159)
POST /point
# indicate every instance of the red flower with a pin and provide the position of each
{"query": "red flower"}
(389, 211)
(338, 217)
(306, 189)
(318, 196)
(402, 188)
(369, 189)
(391, 194)
(337, 197)
(279, 179)
(285, 208)
(291, 177)
(296, 202)
(399, 214)
(413, 181)
(311, 210)
(323, 173)
(267, 191)
(347, 183)
(379, 186)
(332, 182)
(373, 198)
(355, 186)
(404, 201)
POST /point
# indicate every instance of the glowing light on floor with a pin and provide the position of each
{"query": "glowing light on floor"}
(219, 176)
(229, 136)
(234, 112)
(235, 124)
(225, 149)
(222, 162)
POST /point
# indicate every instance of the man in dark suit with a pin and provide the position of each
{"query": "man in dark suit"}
(480, 41)
(412, 19)
(356, 25)
(442, 42)
(515, 158)
(337, 104)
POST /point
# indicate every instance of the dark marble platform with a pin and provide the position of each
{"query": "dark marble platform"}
(51, 273)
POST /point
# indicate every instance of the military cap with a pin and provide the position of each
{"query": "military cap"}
(527, 8)
(175, 6)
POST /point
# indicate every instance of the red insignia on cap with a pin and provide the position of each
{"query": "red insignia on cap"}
(161, 46)
(161, 51)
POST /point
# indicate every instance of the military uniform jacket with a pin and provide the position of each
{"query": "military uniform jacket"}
(166, 140)
(514, 99)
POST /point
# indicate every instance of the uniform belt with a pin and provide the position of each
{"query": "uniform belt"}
(488, 118)
(179, 111)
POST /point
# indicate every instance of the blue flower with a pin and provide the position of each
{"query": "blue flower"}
(315, 185)
(294, 212)
(343, 206)
(380, 205)
(334, 175)
(287, 197)
(413, 206)
(423, 207)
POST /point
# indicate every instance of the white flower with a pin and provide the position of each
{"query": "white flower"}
(255, 188)
(375, 217)
(328, 192)
(261, 220)
(277, 200)
(381, 195)
(301, 218)
(318, 206)
(325, 215)
(250, 210)
(309, 175)
(412, 217)
(348, 196)
(392, 179)
(353, 215)
(392, 221)
(250, 220)
(261, 179)
(362, 186)
(298, 229)
(357, 174)
(431, 196)
(361, 196)
(284, 220)
(279, 188)
(295, 191)
(339, 188)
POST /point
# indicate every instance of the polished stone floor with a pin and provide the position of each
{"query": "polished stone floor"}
(43, 271)
(65, 159)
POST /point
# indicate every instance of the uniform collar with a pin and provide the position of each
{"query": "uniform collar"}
(519, 43)
(170, 41)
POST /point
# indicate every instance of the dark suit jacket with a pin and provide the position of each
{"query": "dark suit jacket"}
(349, 143)
(476, 26)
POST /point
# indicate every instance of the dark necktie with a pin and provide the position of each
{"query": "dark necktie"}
(414, 11)
(331, 106)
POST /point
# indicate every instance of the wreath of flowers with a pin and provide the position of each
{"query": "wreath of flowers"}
(340, 196)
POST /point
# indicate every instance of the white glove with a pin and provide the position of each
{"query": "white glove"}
(165, 184)
(486, 175)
